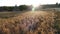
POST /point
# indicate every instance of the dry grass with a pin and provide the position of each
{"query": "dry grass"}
(29, 23)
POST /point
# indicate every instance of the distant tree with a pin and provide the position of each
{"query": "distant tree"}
(23, 7)
(10, 8)
(57, 3)
(6, 8)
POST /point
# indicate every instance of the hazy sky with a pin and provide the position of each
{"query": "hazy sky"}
(27, 2)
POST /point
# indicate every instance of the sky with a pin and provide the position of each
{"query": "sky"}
(27, 2)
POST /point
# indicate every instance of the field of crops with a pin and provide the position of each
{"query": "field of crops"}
(57, 21)
(38, 22)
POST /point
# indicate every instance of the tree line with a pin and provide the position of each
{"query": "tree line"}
(14, 8)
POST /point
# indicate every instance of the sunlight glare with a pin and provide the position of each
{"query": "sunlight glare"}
(33, 9)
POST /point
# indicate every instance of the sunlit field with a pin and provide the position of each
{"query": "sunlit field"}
(37, 22)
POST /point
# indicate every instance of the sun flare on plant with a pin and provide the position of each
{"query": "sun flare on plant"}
(34, 7)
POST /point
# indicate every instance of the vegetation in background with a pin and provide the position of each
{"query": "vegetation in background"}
(13, 8)
(23, 7)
